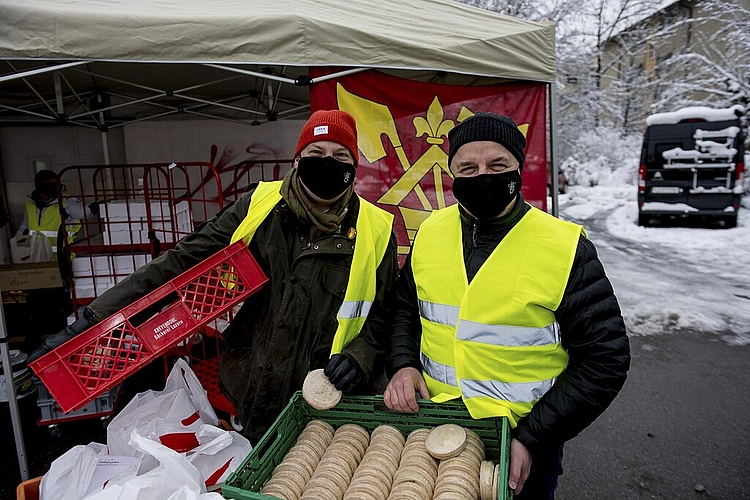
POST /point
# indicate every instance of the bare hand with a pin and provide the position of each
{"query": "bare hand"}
(400, 394)
(520, 466)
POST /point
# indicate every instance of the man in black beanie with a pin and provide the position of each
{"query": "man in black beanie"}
(507, 308)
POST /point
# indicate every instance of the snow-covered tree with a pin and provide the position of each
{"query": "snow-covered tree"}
(622, 60)
(597, 80)
(714, 70)
(524, 9)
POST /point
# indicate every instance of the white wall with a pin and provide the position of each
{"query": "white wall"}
(219, 142)
(147, 142)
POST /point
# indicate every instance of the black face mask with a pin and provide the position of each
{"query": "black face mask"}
(48, 189)
(325, 177)
(487, 195)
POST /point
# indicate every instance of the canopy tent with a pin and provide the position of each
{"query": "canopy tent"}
(108, 63)
(413, 34)
(239, 60)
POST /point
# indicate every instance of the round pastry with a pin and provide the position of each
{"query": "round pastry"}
(446, 441)
(319, 392)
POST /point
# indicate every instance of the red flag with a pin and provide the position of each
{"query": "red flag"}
(403, 137)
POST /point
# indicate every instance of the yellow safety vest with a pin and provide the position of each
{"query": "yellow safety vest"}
(495, 342)
(49, 223)
(374, 227)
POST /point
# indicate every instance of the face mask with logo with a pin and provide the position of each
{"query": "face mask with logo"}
(487, 195)
(325, 177)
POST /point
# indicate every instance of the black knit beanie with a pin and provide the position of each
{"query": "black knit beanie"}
(488, 127)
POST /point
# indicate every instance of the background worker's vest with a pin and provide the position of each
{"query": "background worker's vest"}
(373, 234)
(47, 221)
(494, 342)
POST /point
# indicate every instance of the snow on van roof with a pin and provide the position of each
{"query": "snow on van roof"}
(699, 112)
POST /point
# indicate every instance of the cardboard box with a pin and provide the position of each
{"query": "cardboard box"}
(92, 265)
(30, 276)
(123, 210)
(124, 237)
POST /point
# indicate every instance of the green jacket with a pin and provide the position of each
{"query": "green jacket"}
(286, 328)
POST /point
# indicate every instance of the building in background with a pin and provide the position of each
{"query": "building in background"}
(688, 53)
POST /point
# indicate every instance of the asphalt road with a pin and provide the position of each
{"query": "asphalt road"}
(680, 428)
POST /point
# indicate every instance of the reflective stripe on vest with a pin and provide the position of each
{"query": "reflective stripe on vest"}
(494, 343)
(49, 223)
(374, 227)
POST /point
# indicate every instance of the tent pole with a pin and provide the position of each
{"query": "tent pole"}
(553, 147)
(105, 147)
(15, 415)
(38, 71)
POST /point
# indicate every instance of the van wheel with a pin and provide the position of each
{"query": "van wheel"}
(643, 220)
(730, 221)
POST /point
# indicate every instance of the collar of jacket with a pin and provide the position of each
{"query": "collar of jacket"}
(36, 197)
(348, 222)
(501, 224)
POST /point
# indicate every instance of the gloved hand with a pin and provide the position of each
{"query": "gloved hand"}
(86, 321)
(345, 373)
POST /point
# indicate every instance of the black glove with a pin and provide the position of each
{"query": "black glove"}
(94, 207)
(86, 321)
(345, 373)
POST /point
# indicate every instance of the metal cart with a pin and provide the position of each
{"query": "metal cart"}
(144, 210)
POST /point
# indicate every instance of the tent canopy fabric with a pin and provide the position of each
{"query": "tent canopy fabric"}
(108, 63)
(441, 35)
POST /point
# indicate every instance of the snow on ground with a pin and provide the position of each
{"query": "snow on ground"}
(668, 279)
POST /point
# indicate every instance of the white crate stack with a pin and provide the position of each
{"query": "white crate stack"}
(127, 222)
(171, 223)
(96, 273)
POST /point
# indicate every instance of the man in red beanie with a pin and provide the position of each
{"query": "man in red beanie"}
(330, 257)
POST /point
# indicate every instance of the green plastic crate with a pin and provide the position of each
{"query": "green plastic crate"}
(369, 412)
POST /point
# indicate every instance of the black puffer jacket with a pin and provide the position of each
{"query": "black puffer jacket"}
(592, 330)
(285, 329)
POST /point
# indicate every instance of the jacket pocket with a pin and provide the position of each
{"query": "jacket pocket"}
(334, 280)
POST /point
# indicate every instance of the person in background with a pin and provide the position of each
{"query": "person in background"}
(330, 258)
(42, 215)
(507, 308)
(42, 212)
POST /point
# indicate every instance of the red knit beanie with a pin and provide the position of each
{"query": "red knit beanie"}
(334, 125)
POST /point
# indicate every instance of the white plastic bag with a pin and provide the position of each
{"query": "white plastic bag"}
(151, 427)
(172, 417)
(69, 475)
(41, 249)
(219, 454)
(172, 474)
(83, 470)
(183, 377)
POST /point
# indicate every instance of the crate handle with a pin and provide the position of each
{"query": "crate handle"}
(265, 444)
(382, 408)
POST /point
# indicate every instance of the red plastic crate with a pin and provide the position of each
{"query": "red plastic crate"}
(110, 351)
(208, 373)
